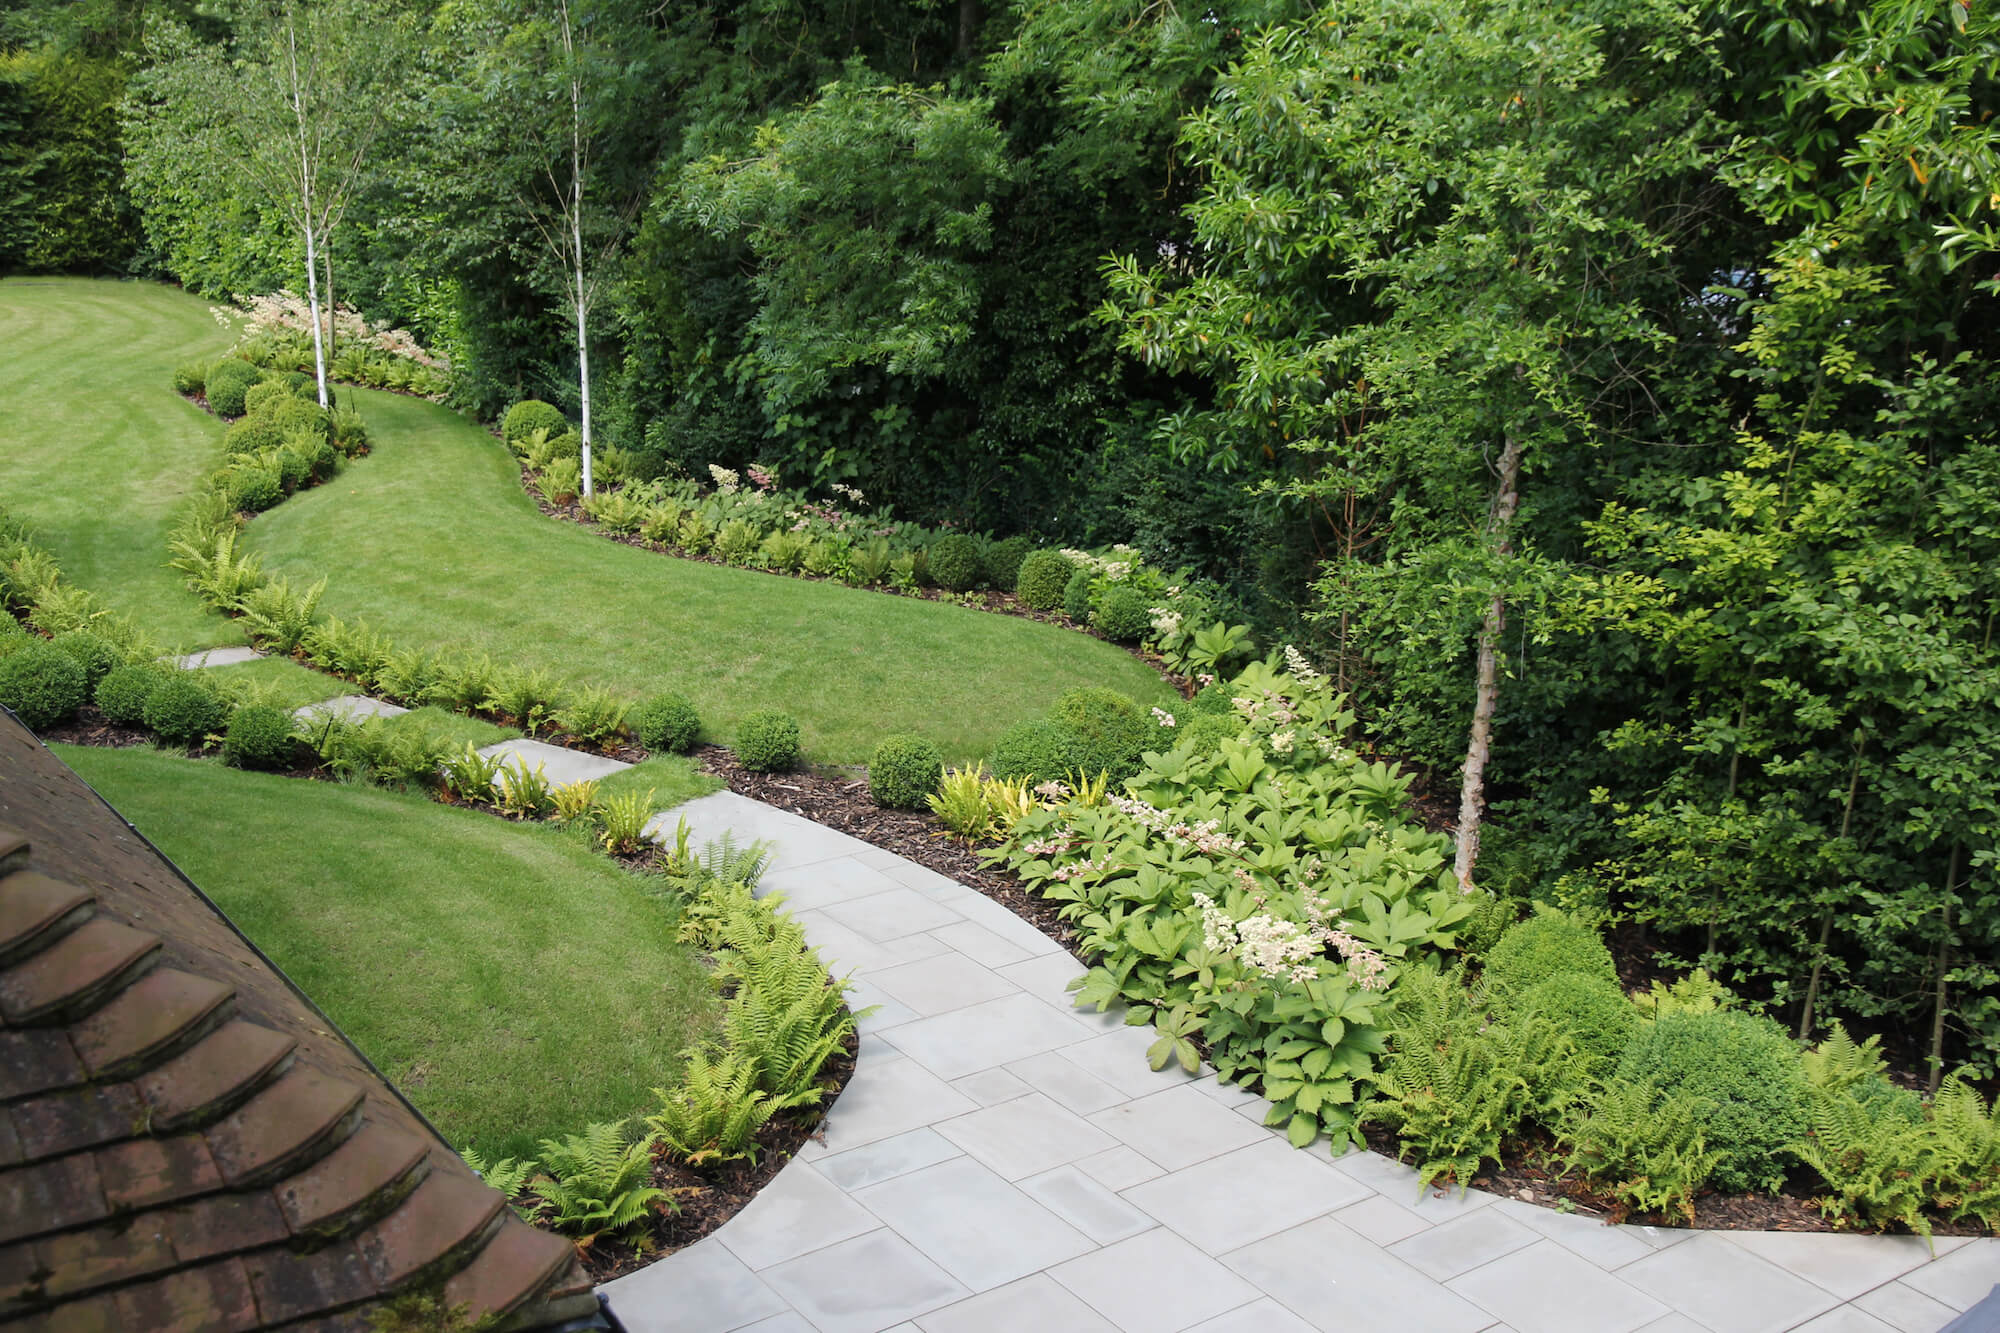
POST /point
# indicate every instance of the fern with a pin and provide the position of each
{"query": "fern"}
(411, 675)
(714, 1115)
(596, 1182)
(1875, 1162)
(62, 607)
(594, 715)
(788, 1019)
(960, 803)
(355, 651)
(1644, 1150)
(278, 618)
(1695, 993)
(624, 818)
(508, 1175)
(523, 791)
(573, 801)
(1965, 1146)
(531, 698)
(462, 684)
(215, 571)
(471, 776)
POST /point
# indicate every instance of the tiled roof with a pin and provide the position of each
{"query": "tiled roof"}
(186, 1143)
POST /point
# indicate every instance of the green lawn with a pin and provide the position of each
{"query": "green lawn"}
(432, 540)
(96, 449)
(514, 984)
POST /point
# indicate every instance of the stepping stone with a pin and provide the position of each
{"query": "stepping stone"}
(349, 708)
(561, 766)
(210, 657)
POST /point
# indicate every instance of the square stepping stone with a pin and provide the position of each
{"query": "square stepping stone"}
(1337, 1281)
(824, 883)
(1158, 1281)
(1724, 1287)
(1960, 1276)
(864, 1285)
(1227, 1201)
(1036, 1302)
(1546, 1289)
(1026, 1136)
(1086, 1205)
(980, 1036)
(941, 984)
(562, 766)
(886, 1159)
(701, 1287)
(1847, 1266)
(215, 657)
(890, 1097)
(973, 1224)
(797, 1212)
(349, 708)
(1179, 1127)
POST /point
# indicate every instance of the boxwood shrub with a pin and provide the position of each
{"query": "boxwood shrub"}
(528, 416)
(1110, 725)
(1747, 1078)
(263, 395)
(42, 684)
(954, 562)
(94, 655)
(252, 488)
(767, 741)
(122, 694)
(1125, 615)
(1590, 1009)
(1206, 731)
(228, 380)
(1002, 561)
(904, 770)
(667, 723)
(183, 710)
(1039, 751)
(1076, 597)
(1547, 944)
(260, 736)
(1042, 578)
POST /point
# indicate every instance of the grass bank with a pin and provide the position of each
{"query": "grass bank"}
(513, 983)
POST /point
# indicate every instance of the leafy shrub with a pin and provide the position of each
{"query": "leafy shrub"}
(960, 803)
(1747, 1074)
(714, 1115)
(904, 771)
(624, 818)
(190, 377)
(594, 715)
(42, 684)
(954, 562)
(297, 419)
(597, 1182)
(1112, 727)
(252, 488)
(183, 710)
(1546, 945)
(1001, 562)
(1076, 597)
(93, 654)
(667, 723)
(255, 431)
(227, 381)
(1648, 1151)
(1039, 752)
(1592, 1011)
(122, 694)
(260, 736)
(561, 480)
(738, 541)
(1125, 615)
(261, 396)
(528, 416)
(767, 741)
(1043, 577)
(573, 801)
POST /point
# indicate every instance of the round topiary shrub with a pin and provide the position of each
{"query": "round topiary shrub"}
(768, 741)
(260, 736)
(183, 710)
(42, 684)
(122, 694)
(1747, 1078)
(954, 562)
(13, 635)
(1111, 725)
(263, 395)
(904, 771)
(294, 467)
(1002, 561)
(1547, 944)
(254, 433)
(297, 419)
(528, 416)
(1042, 578)
(667, 723)
(93, 654)
(1207, 731)
(1590, 1009)
(1039, 751)
(1125, 615)
(1212, 699)
(252, 488)
(228, 380)
(1076, 597)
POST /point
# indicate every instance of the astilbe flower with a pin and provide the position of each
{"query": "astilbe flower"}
(1052, 790)
(1303, 671)
(1286, 950)
(1078, 869)
(1163, 717)
(1206, 836)
(761, 479)
(726, 479)
(1266, 706)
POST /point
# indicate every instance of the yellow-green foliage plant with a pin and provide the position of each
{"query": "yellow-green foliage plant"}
(623, 818)
(522, 791)
(960, 803)
(573, 801)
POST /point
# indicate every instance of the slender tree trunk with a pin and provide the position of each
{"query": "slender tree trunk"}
(332, 306)
(1943, 968)
(1826, 918)
(968, 26)
(1479, 746)
(1729, 794)
(579, 286)
(306, 211)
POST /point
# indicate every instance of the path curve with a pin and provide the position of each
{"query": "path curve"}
(1001, 1161)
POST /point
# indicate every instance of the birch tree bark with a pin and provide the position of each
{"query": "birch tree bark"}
(1479, 745)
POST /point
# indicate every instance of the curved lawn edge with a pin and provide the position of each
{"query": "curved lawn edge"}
(438, 493)
(998, 1149)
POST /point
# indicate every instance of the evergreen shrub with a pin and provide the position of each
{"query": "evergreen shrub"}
(1206, 731)
(1592, 1011)
(260, 736)
(228, 381)
(265, 394)
(528, 416)
(190, 377)
(122, 694)
(1043, 576)
(1076, 597)
(254, 432)
(183, 710)
(1546, 945)
(667, 723)
(1113, 728)
(1039, 752)
(1002, 561)
(904, 772)
(1125, 615)
(768, 741)
(93, 654)
(42, 684)
(252, 488)
(1747, 1080)
(954, 562)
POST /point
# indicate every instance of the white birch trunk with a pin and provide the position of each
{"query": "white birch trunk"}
(306, 211)
(579, 286)
(1479, 745)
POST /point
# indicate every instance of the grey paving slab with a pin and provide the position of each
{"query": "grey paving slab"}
(561, 766)
(981, 1036)
(999, 1160)
(705, 1288)
(1227, 1201)
(216, 657)
(1025, 1136)
(1037, 1302)
(1544, 1288)
(973, 1224)
(863, 1285)
(1726, 1288)
(349, 708)
(1154, 1282)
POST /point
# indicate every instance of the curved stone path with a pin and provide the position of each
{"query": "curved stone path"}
(1001, 1161)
